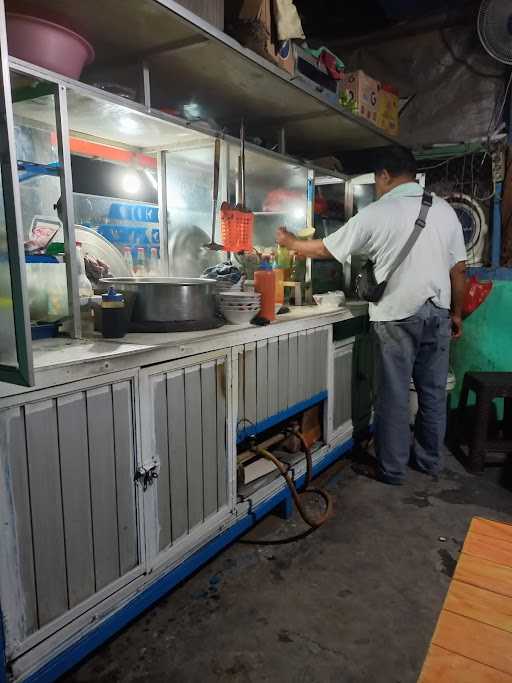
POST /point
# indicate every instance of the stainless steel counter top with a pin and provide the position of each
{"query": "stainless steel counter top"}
(62, 360)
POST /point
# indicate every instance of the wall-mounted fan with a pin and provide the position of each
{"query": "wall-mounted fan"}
(474, 225)
(495, 29)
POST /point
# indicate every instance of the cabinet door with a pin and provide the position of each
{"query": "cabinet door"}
(184, 413)
(69, 501)
(341, 400)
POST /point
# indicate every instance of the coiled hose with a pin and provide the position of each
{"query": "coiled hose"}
(318, 521)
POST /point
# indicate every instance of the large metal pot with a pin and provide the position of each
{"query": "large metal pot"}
(168, 299)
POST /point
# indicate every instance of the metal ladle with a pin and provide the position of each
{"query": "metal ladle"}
(212, 245)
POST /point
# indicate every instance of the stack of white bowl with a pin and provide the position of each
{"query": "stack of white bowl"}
(239, 307)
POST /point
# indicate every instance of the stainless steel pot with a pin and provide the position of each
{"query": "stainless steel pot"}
(168, 299)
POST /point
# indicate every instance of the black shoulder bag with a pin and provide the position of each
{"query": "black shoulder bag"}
(367, 287)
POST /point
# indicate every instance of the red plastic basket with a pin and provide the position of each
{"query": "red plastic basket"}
(236, 226)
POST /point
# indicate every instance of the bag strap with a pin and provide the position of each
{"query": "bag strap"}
(426, 203)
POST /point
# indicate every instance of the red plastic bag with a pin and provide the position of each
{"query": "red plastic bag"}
(476, 293)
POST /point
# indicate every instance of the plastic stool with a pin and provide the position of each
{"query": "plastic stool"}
(487, 386)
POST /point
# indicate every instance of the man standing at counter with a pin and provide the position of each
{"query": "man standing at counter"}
(418, 313)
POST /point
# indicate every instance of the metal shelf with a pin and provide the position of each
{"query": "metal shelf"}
(192, 62)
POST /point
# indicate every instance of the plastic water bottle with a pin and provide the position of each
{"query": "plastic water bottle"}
(154, 262)
(140, 263)
(127, 258)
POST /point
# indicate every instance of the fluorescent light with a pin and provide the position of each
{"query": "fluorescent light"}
(131, 183)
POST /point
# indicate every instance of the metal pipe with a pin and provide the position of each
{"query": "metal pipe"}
(68, 211)
(242, 164)
(146, 85)
(268, 443)
(163, 217)
(282, 140)
(24, 373)
(496, 227)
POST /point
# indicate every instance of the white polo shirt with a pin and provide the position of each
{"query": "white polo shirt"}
(381, 229)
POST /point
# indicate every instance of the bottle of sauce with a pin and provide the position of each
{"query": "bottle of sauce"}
(113, 315)
(265, 284)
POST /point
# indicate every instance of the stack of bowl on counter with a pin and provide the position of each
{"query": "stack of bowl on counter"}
(239, 307)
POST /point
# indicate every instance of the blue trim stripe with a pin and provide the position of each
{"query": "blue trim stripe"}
(272, 421)
(90, 642)
(499, 274)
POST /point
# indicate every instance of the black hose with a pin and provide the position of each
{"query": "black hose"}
(312, 522)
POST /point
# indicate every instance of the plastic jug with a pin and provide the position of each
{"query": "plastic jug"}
(265, 284)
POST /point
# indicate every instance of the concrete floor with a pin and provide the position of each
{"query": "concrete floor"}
(354, 602)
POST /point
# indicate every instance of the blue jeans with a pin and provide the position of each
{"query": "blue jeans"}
(416, 347)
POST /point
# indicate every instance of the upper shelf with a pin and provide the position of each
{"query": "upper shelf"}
(192, 62)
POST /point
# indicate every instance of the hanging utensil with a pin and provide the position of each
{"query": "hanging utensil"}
(242, 164)
(212, 245)
(237, 224)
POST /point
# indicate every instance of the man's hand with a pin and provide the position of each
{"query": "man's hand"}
(456, 326)
(285, 238)
(305, 248)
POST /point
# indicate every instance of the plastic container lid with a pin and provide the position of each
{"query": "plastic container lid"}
(40, 258)
(112, 295)
(265, 265)
(55, 248)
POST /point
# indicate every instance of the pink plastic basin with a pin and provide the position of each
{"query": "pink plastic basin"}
(48, 45)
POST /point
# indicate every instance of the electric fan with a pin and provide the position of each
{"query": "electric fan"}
(495, 29)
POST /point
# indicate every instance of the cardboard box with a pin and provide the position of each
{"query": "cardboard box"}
(256, 31)
(388, 109)
(360, 94)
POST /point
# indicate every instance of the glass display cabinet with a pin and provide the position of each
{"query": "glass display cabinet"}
(102, 179)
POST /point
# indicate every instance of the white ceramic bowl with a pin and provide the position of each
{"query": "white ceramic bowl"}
(245, 300)
(229, 294)
(240, 308)
(329, 300)
(235, 317)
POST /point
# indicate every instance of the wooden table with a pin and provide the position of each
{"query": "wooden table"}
(472, 642)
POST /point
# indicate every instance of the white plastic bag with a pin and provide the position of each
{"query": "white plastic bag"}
(287, 20)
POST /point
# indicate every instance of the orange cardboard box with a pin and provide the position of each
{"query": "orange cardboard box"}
(360, 94)
(388, 109)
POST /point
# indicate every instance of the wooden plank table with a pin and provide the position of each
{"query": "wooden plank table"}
(472, 642)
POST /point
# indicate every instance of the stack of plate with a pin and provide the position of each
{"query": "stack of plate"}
(239, 307)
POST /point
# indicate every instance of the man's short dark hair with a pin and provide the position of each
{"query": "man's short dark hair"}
(397, 161)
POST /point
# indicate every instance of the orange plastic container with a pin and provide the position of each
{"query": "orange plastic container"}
(279, 273)
(265, 284)
(236, 227)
